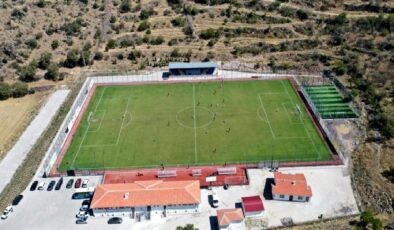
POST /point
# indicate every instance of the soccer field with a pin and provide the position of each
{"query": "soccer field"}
(193, 124)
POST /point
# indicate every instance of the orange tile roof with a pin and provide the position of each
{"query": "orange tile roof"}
(144, 193)
(289, 176)
(228, 216)
(291, 184)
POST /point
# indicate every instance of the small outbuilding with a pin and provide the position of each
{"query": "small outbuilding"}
(291, 187)
(232, 218)
(252, 206)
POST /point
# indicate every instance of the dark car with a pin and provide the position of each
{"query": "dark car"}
(81, 221)
(33, 186)
(70, 183)
(51, 185)
(78, 183)
(17, 199)
(115, 220)
(59, 184)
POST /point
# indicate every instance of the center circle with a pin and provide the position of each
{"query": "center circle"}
(195, 117)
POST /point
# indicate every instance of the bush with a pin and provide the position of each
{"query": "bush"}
(55, 44)
(111, 44)
(302, 14)
(32, 43)
(178, 22)
(145, 14)
(52, 72)
(73, 27)
(19, 89)
(84, 58)
(72, 58)
(41, 3)
(5, 91)
(112, 19)
(45, 60)
(98, 56)
(125, 6)
(211, 33)
(28, 73)
(144, 25)
(133, 55)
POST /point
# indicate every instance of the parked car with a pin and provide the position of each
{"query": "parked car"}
(78, 183)
(115, 220)
(41, 185)
(59, 184)
(85, 183)
(84, 207)
(81, 221)
(17, 199)
(215, 199)
(33, 186)
(81, 214)
(51, 185)
(7, 212)
(70, 183)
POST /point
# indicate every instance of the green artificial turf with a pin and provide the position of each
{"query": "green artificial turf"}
(193, 124)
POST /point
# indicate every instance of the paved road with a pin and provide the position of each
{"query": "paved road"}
(17, 154)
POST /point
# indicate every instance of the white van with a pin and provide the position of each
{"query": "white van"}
(41, 185)
(85, 183)
(215, 200)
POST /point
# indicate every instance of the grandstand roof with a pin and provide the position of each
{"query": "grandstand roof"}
(228, 216)
(191, 65)
(145, 193)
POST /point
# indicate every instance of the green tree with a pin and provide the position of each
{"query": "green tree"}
(52, 72)
(19, 89)
(55, 44)
(44, 60)
(187, 227)
(144, 25)
(98, 56)
(28, 73)
(5, 91)
(125, 6)
(32, 43)
(72, 58)
(111, 44)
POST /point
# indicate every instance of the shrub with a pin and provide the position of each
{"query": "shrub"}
(28, 73)
(144, 25)
(52, 72)
(145, 14)
(133, 55)
(55, 44)
(112, 19)
(211, 33)
(45, 60)
(84, 58)
(41, 3)
(5, 91)
(32, 43)
(19, 89)
(125, 6)
(98, 56)
(73, 27)
(72, 58)
(178, 22)
(111, 44)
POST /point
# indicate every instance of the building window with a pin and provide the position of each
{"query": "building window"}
(281, 196)
(300, 198)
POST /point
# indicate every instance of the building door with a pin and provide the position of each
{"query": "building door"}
(291, 198)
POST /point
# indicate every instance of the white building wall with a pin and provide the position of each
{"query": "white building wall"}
(287, 198)
(157, 211)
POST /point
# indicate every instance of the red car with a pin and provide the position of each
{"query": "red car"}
(78, 183)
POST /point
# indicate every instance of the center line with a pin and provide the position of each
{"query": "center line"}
(194, 119)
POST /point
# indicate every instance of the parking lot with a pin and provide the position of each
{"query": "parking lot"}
(332, 196)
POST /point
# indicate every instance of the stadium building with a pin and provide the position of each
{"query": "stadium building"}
(192, 68)
(291, 187)
(147, 199)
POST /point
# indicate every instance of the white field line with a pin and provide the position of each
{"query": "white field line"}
(194, 119)
(123, 118)
(306, 131)
(266, 116)
(87, 129)
(101, 121)
(288, 115)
